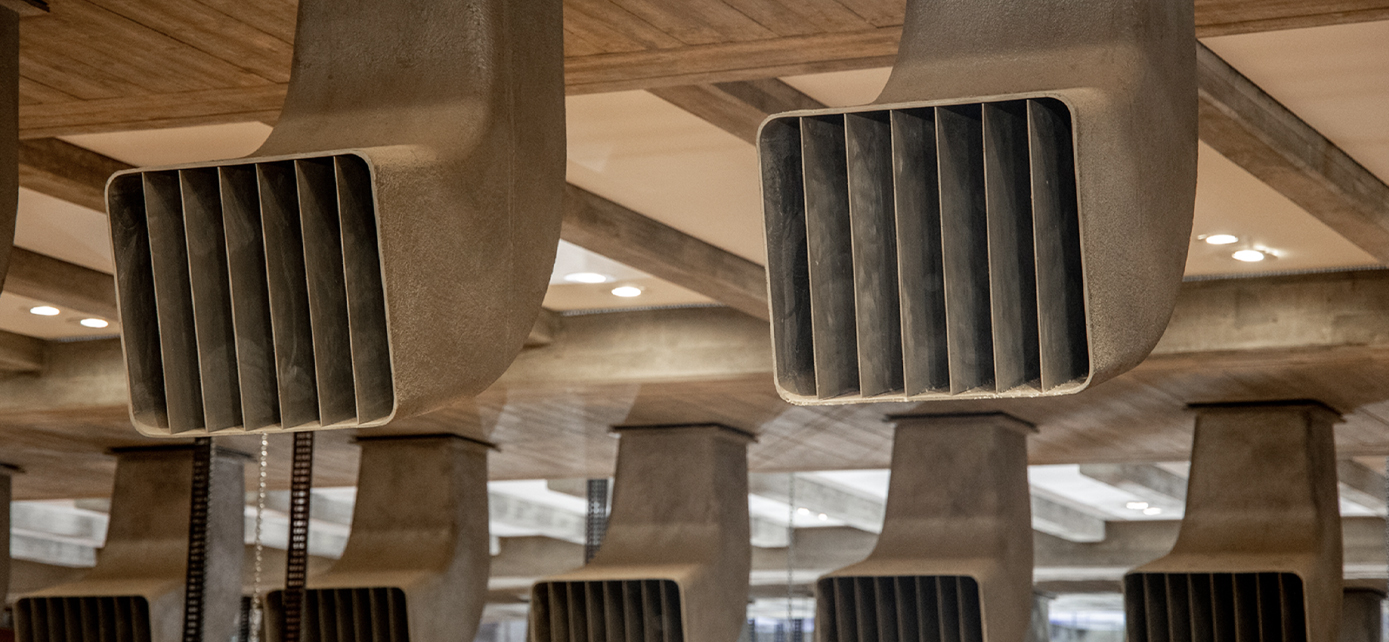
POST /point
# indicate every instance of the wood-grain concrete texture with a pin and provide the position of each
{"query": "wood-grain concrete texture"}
(1319, 336)
(105, 65)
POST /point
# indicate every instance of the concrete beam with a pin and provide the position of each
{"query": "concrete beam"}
(737, 107)
(1246, 125)
(1361, 484)
(855, 509)
(1061, 520)
(19, 353)
(1307, 318)
(1154, 485)
(539, 519)
(65, 171)
(600, 225)
(63, 284)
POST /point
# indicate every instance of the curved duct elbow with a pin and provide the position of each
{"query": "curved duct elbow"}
(137, 590)
(675, 559)
(10, 13)
(1259, 553)
(1010, 218)
(384, 252)
(954, 560)
(416, 563)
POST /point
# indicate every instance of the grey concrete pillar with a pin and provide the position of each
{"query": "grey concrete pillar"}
(418, 556)
(957, 527)
(1362, 615)
(1261, 498)
(677, 542)
(1040, 629)
(140, 576)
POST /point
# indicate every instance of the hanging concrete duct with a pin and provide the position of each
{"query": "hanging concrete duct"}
(10, 13)
(136, 592)
(1362, 615)
(416, 563)
(675, 559)
(1009, 219)
(1258, 556)
(384, 253)
(954, 560)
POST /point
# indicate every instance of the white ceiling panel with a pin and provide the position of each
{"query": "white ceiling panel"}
(1336, 78)
(62, 230)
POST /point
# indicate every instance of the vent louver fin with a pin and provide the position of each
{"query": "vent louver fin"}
(353, 615)
(82, 619)
(1215, 607)
(925, 252)
(940, 608)
(608, 611)
(269, 275)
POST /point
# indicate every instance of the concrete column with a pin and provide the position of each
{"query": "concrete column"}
(1362, 615)
(1040, 629)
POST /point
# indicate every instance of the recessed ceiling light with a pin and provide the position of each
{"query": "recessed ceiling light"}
(1221, 239)
(44, 310)
(824, 517)
(1249, 256)
(1152, 510)
(802, 511)
(1136, 505)
(587, 277)
(626, 291)
(94, 322)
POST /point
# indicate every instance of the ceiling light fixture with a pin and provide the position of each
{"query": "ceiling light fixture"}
(626, 291)
(1250, 256)
(1220, 239)
(44, 310)
(94, 322)
(1152, 510)
(824, 517)
(1136, 505)
(802, 511)
(587, 277)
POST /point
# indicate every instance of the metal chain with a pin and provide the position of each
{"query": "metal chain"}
(199, 509)
(257, 609)
(597, 518)
(790, 539)
(297, 557)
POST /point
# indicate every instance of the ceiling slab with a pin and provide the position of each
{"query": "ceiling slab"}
(1336, 78)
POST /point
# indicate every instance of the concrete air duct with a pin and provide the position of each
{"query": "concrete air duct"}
(137, 591)
(954, 560)
(674, 562)
(384, 252)
(416, 563)
(1258, 557)
(1010, 218)
(10, 13)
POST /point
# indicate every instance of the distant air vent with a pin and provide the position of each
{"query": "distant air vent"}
(251, 295)
(123, 618)
(925, 252)
(628, 610)
(1215, 607)
(352, 615)
(940, 608)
